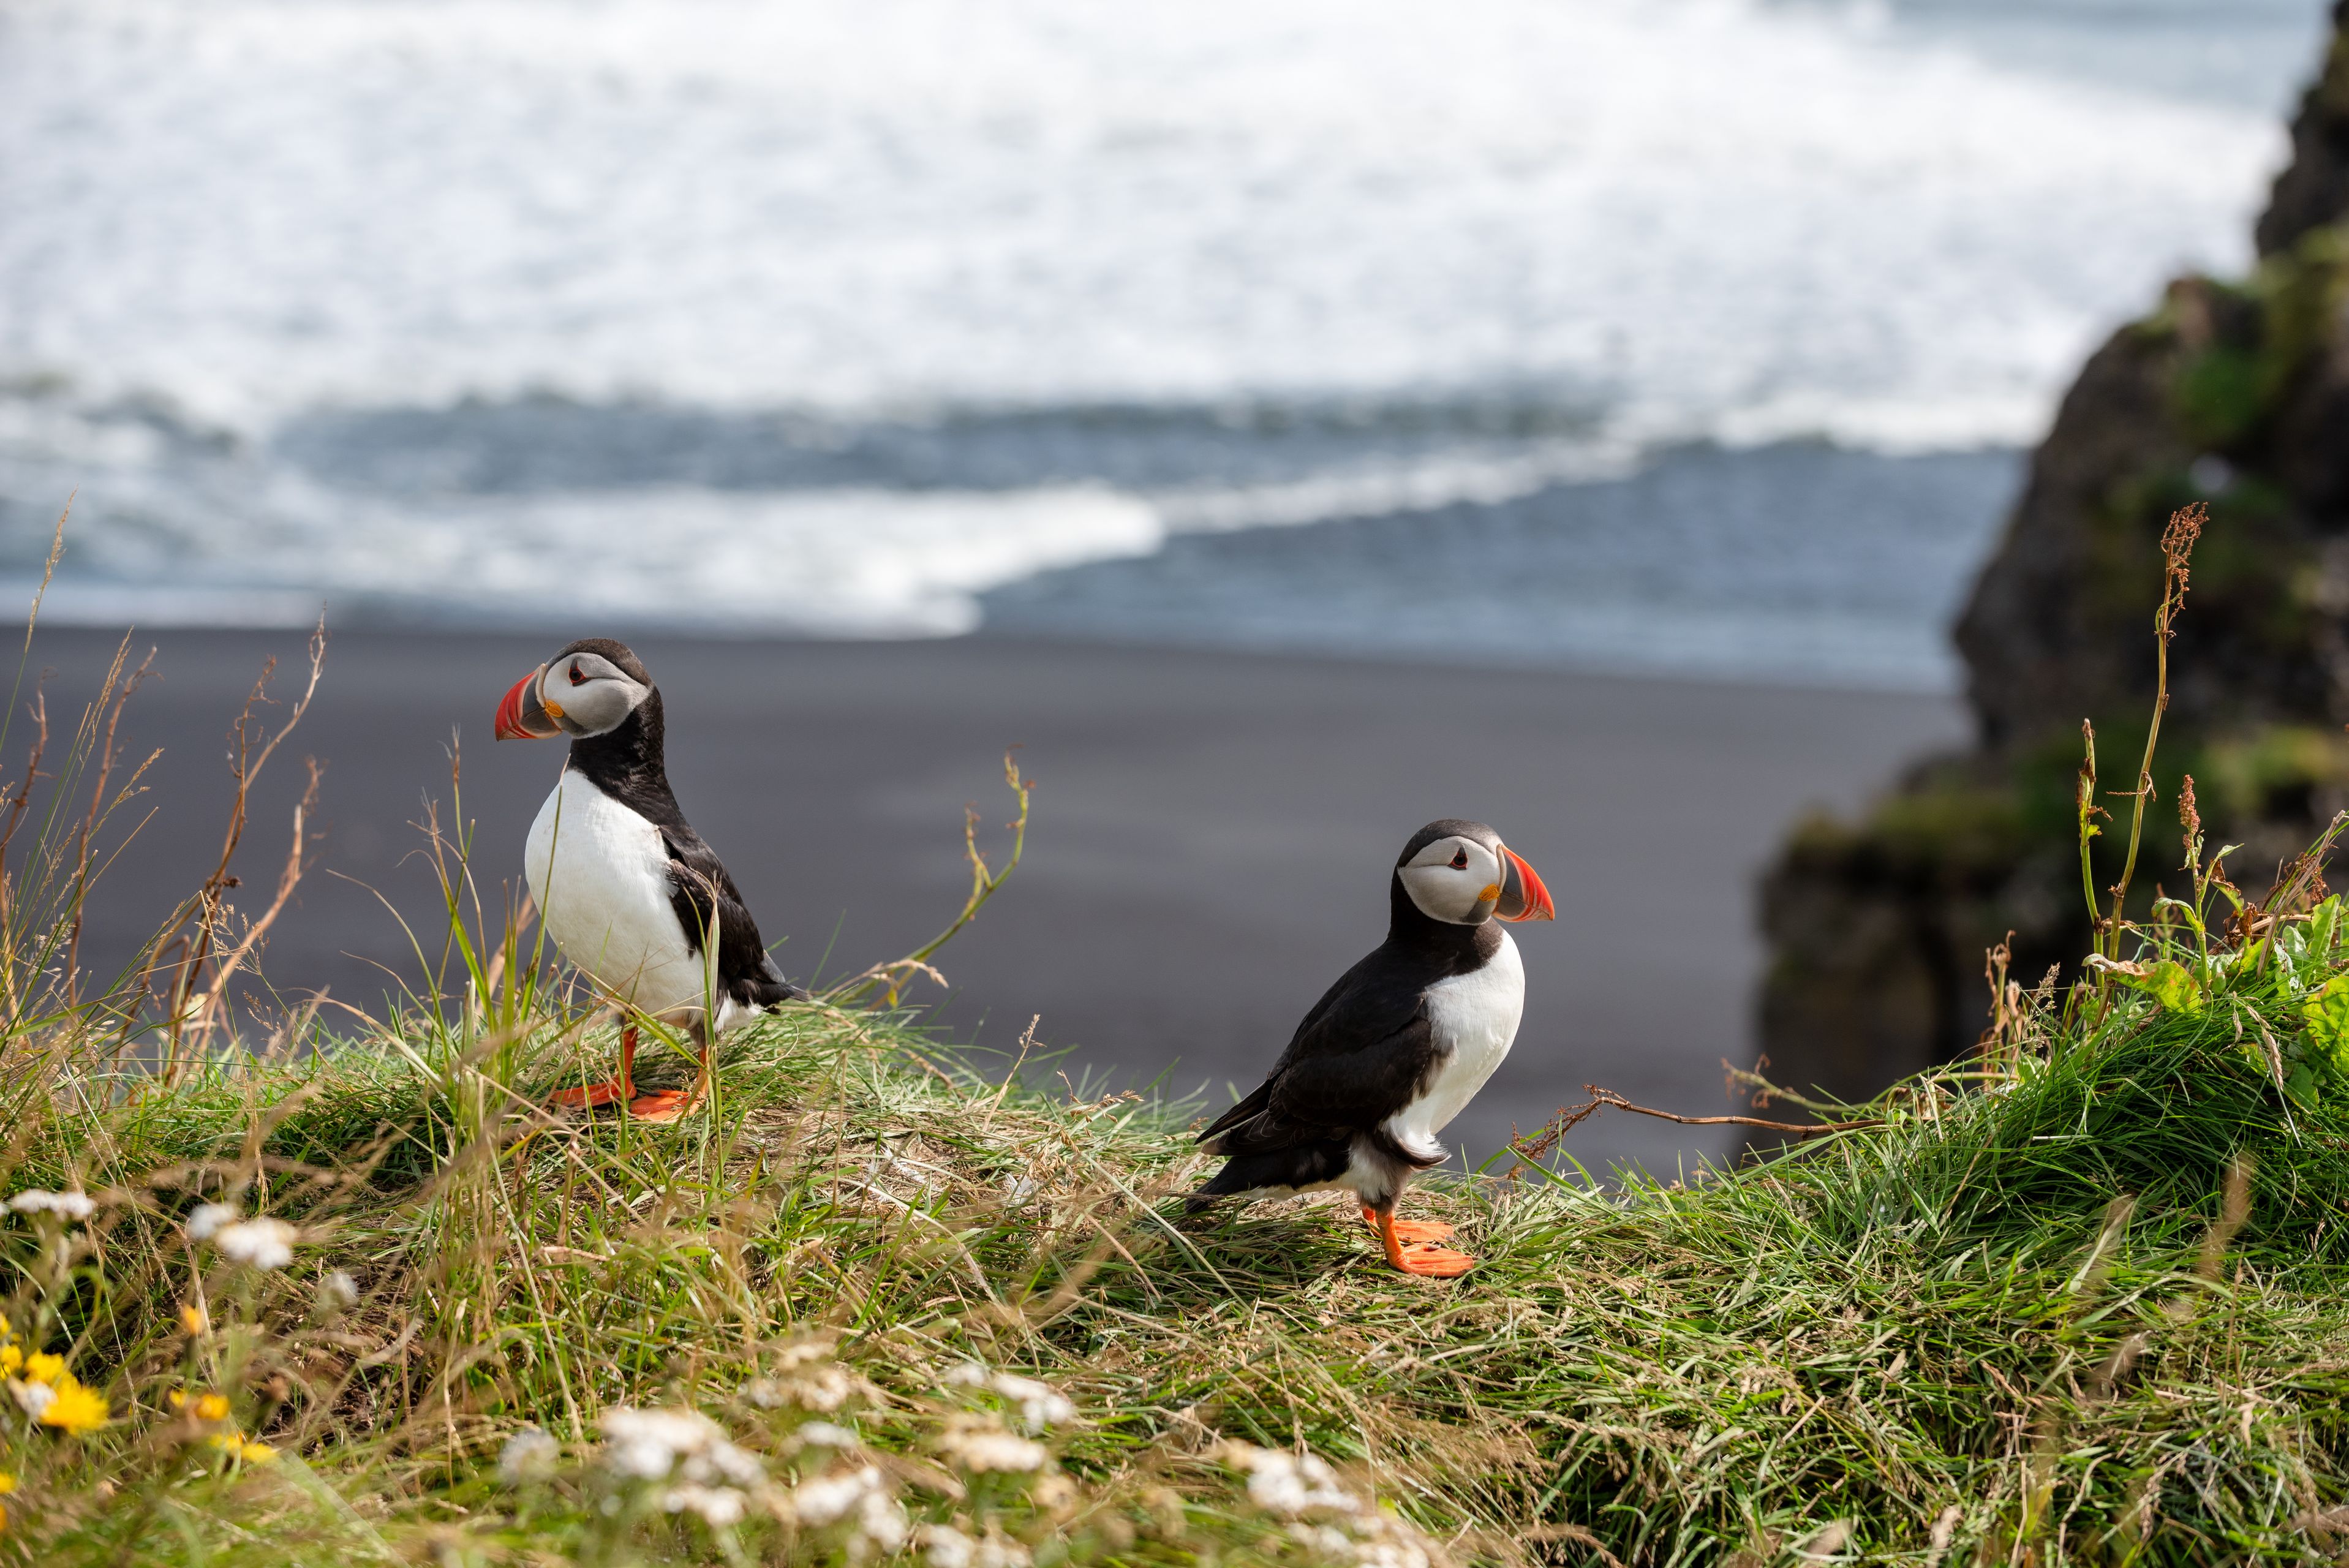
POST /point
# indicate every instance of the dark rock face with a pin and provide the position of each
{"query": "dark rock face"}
(1879, 929)
(2315, 191)
(2039, 649)
(2231, 394)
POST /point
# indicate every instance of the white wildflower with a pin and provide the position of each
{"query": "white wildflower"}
(206, 1218)
(72, 1205)
(1322, 1539)
(977, 1447)
(33, 1396)
(968, 1374)
(999, 1552)
(827, 1499)
(821, 1389)
(1040, 1404)
(1368, 1539)
(721, 1460)
(999, 1452)
(880, 1524)
(804, 1351)
(945, 1546)
(645, 1445)
(719, 1506)
(826, 1435)
(337, 1293)
(825, 1388)
(1393, 1546)
(263, 1244)
(528, 1455)
(1290, 1484)
(648, 1445)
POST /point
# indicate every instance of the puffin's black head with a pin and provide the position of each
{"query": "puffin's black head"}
(1460, 873)
(589, 688)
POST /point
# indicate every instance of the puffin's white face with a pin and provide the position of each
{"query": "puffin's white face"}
(1462, 880)
(580, 693)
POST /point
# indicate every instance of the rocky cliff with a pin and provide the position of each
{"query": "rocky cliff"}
(2234, 393)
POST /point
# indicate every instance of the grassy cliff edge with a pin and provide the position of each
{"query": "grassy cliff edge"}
(2081, 1302)
(348, 1293)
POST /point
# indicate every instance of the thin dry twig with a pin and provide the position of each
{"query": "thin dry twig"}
(208, 1005)
(2008, 1013)
(23, 796)
(196, 925)
(890, 978)
(1535, 1148)
(2177, 541)
(112, 696)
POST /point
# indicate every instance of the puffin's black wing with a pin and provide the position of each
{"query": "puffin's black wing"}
(698, 882)
(1258, 1102)
(1321, 1097)
(1358, 1057)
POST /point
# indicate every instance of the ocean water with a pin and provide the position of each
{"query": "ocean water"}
(1682, 336)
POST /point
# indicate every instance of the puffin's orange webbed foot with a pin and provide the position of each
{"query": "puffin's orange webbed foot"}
(596, 1096)
(592, 1096)
(1409, 1231)
(664, 1105)
(1434, 1262)
(1424, 1259)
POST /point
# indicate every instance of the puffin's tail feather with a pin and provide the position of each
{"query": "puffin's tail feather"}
(771, 990)
(1277, 1169)
(1246, 1111)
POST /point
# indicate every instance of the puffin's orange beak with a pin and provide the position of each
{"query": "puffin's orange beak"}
(521, 716)
(1523, 896)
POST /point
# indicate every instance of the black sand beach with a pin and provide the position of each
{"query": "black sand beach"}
(1210, 846)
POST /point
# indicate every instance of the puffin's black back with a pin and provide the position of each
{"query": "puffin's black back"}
(627, 763)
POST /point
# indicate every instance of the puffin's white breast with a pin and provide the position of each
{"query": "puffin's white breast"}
(1473, 1019)
(600, 874)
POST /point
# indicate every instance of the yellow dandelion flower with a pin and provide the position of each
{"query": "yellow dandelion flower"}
(7, 1483)
(45, 1367)
(213, 1407)
(194, 1320)
(76, 1409)
(179, 1400)
(236, 1445)
(12, 1360)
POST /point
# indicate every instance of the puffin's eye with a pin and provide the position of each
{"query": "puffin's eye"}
(1459, 859)
(576, 678)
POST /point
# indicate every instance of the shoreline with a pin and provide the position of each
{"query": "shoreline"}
(1211, 836)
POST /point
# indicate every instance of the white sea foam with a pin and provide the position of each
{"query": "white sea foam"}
(1720, 217)
(830, 562)
(1376, 489)
(1709, 219)
(839, 562)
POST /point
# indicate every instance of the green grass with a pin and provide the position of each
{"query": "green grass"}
(1942, 1330)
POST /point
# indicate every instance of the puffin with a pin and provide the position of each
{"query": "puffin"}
(1394, 1050)
(631, 895)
